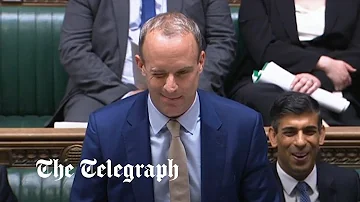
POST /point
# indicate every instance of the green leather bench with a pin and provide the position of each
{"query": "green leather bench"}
(32, 81)
(29, 187)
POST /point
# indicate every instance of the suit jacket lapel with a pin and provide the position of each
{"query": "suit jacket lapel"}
(174, 5)
(331, 14)
(213, 146)
(137, 142)
(327, 191)
(122, 12)
(286, 10)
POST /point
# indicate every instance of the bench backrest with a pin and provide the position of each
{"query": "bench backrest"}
(32, 81)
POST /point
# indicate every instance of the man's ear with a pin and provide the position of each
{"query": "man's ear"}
(272, 137)
(140, 63)
(202, 61)
(322, 135)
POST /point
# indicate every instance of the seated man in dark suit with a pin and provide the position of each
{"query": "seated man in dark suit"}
(219, 145)
(297, 132)
(6, 193)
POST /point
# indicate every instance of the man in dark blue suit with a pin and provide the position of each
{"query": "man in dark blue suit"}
(297, 132)
(219, 145)
(6, 193)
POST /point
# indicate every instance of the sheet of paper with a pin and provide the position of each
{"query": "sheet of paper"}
(70, 124)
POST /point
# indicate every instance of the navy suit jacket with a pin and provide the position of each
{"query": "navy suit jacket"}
(234, 163)
(335, 184)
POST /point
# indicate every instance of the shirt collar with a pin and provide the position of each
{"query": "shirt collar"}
(188, 120)
(289, 183)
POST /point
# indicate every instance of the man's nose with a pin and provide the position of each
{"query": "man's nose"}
(300, 139)
(170, 85)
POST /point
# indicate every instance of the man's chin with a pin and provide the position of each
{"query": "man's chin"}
(301, 171)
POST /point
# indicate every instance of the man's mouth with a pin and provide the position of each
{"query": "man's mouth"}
(300, 156)
(172, 98)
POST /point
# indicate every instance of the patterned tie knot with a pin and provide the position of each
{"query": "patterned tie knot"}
(174, 128)
(302, 188)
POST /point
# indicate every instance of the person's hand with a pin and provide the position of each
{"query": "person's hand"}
(338, 71)
(305, 83)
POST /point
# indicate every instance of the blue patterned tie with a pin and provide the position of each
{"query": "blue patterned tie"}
(147, 10)
(302, 190)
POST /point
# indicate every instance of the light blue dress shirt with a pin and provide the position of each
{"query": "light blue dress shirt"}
(160, 138)
(134, 33)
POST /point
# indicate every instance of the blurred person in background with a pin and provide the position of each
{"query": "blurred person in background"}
(316, 40)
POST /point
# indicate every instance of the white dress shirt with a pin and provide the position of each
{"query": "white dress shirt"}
(310, 23)
(160, 139)
(134, 32)
(289, 184)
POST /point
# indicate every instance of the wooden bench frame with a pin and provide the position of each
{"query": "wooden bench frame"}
(22, 147)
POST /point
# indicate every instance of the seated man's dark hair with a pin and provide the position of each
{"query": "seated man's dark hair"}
(293, 103)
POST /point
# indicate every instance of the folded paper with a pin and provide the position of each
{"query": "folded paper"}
(66, 124)
(274, 74)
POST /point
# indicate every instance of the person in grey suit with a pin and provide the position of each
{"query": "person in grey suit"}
(95, 49)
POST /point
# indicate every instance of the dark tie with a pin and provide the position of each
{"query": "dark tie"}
(302, 190)
(147, 10)
(180, 187)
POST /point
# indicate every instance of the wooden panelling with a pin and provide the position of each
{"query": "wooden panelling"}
(22, 147)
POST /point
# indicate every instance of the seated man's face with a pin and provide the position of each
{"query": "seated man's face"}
(172, 67)
(297, 141)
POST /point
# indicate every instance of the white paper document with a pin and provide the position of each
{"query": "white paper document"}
(70, 124)
(274, 74)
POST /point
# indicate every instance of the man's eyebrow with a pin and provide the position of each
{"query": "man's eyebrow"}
(156, 70)
(291, 128)
(186, 68)
(310, 128)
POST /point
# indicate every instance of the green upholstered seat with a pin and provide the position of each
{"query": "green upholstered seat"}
(32, 81)
(29, 187)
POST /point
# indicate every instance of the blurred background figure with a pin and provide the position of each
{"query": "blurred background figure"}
(317, 40)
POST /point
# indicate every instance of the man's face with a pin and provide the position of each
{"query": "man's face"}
(172, 68)
(297, 141)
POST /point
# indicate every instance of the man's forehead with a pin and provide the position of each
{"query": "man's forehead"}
(299, 121)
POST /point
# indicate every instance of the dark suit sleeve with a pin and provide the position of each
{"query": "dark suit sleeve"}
(260, 183)
(89, 189)
(264, 46)
(84, 67)
(221, 44)
(357, 187)
(352, 54)
(6, 193)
